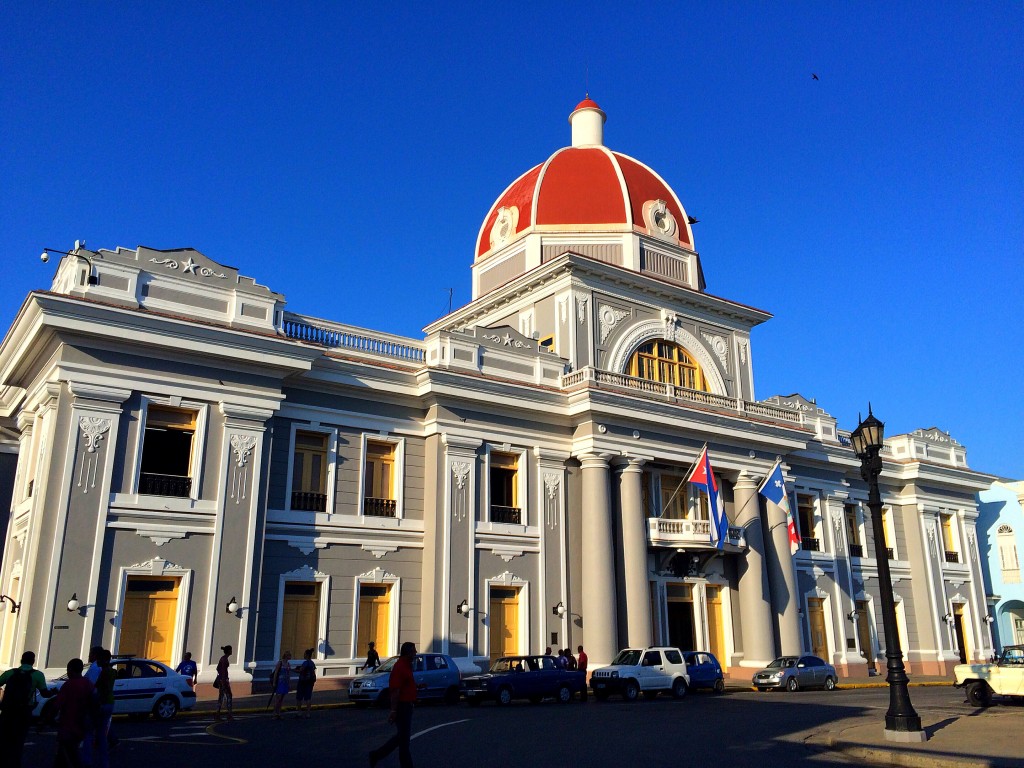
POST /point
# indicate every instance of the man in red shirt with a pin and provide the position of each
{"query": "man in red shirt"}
(403, 700)
(76, 708)
(581, 665)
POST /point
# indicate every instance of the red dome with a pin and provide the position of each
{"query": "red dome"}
(587, 187)
(587, 104)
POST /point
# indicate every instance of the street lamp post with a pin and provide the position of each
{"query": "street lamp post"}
(902, 723)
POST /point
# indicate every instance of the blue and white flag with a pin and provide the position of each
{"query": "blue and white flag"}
(774, 489)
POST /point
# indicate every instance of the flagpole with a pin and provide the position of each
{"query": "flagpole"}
(686, 476)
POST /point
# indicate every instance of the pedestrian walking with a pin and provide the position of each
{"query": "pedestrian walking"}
(282, 680)
(304, 687)
(76, 706)
(19, 686)
(188, 668)
(223, 684)
(372, 657)
(402, 686)
(96, 746)
(581, 665)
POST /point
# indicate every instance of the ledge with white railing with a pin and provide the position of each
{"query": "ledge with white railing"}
(592, 377)
(339, 336)
(678, 532)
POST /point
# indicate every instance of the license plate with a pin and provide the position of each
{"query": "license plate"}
(599, 685)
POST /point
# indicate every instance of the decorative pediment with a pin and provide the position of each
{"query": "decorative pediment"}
(507, 578)
(934, 435)
(305, 544)
(379, 550)
(378, 574)
(157, 567)
(507, 553)
(304, 573)
(504, 337)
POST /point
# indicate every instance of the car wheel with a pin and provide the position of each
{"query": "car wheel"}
(451, 696)
(719, 686)
(830, 684)
(678, 688)
(166, 708)
(632, 691)
(792, 684)
(565, 694)
(979, 694)
(601, 695)
(505, 696)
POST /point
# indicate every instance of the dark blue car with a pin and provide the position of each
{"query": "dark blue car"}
(523, 677)
(704, 670)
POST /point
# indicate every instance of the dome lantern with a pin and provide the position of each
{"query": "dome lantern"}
(587, 122)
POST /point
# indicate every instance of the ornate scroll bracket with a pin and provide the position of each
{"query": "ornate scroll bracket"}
(93, 429)
(460, 471)
(242, 446)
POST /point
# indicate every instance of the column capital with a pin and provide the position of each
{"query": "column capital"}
(594, 461)
(745, 480)
(241, 416)
(114, 396)
(631, 464)
(460, 443)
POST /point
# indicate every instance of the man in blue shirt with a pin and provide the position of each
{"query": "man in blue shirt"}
(188, 669)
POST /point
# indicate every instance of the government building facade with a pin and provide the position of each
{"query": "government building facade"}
(198, 466)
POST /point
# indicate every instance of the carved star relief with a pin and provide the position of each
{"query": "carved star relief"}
(189, 266)
(507, 339)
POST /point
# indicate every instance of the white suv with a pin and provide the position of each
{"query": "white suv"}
(642, 670)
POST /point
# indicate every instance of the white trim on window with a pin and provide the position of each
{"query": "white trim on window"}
(522, 486)
(332, 462)
(377, 576)
(399, 471)
(198, 439)
(305, 574)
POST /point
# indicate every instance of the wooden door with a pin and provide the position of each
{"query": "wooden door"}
(300, 617)
(864, 634)
(374, 619)
(816, 619)
(504, 621)
(716, 629)
(961, 635)
(148, 618)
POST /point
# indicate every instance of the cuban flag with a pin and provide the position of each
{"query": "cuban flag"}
(704, 478)
(774, 489)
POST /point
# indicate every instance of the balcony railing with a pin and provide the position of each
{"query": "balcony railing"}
(810, 545)
(307, 501)
(379, 507)
(153, 484)
(592, 377)
(856, 550)
(952, 557)
(500, 514)
(327, 334)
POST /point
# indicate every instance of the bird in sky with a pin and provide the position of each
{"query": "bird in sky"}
(690, 220)
(814, 76)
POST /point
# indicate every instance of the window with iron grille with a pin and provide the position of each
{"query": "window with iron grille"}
(167, 452)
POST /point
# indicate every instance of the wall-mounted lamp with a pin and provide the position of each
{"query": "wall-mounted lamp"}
(989, 618)
(948, 618)
(15, 607)
(852, 615)
(559, 610)
(232, 606)
(464, 608)
(73, 603)
(45, 257)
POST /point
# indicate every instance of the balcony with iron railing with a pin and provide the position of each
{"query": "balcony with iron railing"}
(809, 544)
(678, 532)
(309, 501)
(856, 550)
(380, 507)
(952, 557)
(509, 515)
(154, 484)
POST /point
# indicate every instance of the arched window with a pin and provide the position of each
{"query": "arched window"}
(668, 363)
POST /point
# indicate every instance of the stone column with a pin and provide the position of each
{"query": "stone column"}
(634, 550)
(754, 595)
(599, 618)
(786, 598)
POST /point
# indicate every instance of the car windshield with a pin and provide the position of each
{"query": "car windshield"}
(783, 663)
(505, 665)
(387, 665)
(627, 658)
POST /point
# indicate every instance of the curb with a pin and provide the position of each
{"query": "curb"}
(212, 713)
(905, 759)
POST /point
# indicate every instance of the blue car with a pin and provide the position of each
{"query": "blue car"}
(523, 677)
(704, 670)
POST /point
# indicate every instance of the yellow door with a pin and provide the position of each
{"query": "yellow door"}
(504, 620)
(300, 617)
(148, 617)
(864, 633)
(816, 619)
(374, 618)
(716, 630)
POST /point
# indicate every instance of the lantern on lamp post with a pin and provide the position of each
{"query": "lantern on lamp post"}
(902, 723)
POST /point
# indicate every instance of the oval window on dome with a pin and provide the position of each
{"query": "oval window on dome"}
(668, 363)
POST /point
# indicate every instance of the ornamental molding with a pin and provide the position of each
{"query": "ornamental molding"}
(94, 428)
(973, 546)
(743, 352)
(506, 553)
(507, 578)
(189, 267)
(242, 445)
(563, 309)
(304, 573)
(837, 523)
(659, 219)
(158, 534)
(378, 574)
(505, 340)
(460, 470)
(719, 346)
(931, 540)
(581, 309)
(157, 567)
(378, 550)
(504, 227)
(551, 482)
(305, 544)
(608, 318)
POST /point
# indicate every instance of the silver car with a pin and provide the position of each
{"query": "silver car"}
(436, 676)
(795, 672)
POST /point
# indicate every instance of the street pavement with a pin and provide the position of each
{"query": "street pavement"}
(739, 728)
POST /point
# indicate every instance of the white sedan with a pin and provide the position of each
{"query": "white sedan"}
(143, 687)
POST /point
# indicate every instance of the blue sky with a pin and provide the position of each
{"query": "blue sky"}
(345, 156)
